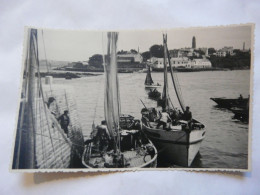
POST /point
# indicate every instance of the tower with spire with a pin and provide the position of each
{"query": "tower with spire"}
(193, 42)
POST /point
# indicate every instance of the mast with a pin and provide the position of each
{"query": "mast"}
(112, 98)
(165, 94)
(29, 135)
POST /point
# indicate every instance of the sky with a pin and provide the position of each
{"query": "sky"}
(68, 45)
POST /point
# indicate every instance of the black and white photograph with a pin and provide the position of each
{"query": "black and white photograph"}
(164, 99)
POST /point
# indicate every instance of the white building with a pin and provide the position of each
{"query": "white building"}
(199, 63)
(183, 62)
(130, 57)
(179, 62)
(225, 51)
(221, 53)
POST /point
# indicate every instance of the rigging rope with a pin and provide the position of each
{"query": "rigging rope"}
(48, 70)
(99, 81)
(44, 106)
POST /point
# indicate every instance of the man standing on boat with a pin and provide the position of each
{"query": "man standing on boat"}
(64, 120)
(164, 120)
(187, 116)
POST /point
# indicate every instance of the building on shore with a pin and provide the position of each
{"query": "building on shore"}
(225, 51)
(182, 62)
(199, 63)
(129, 57)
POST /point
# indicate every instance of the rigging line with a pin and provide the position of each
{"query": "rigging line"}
(42, 140)
(44, 107)
(61, 153)
(55, 138)
(45, 52)
(172, 76)
(41, 92)
(37, 108)
(46, 61)
(63, 140)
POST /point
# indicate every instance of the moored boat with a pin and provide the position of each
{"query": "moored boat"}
(178, 141)
(149, 81)
(154, 94)
(118, 142)
(228, 103)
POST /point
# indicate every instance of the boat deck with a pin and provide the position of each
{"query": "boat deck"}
(153, 125)
(135, 158)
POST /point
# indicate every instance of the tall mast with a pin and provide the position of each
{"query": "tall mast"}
(31, 117)
(165, 94)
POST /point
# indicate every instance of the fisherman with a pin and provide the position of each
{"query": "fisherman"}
(240, 97)
(103, 137)
(51, 104)
(153, 115)
(64, 120)
(174, 116)
(164, 119)
(145, 116)
(187, 116)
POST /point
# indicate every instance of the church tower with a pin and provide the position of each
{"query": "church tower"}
(193, 42)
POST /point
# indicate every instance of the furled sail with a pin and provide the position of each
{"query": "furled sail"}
(112, 98)
(148, 79)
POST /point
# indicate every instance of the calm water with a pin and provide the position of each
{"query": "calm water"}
(226, 142)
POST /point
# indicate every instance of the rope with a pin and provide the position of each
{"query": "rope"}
(44, 107)
(46, 58)
(58, 139)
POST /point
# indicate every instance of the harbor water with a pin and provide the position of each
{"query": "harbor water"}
(226, 141)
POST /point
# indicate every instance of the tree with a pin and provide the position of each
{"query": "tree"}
(133, 51)
(211, 51)
(146, 55)
(78, 65)
(157, 51)
(96, 60)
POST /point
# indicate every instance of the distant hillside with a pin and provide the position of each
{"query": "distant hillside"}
(239, 61)
(54, 63)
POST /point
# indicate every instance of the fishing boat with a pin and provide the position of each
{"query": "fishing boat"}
(40, 142)
(118, 142)
(228, 103)
(154, 94)
(149, 81)
(180, 140)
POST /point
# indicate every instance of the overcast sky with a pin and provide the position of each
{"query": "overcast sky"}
(68, 45)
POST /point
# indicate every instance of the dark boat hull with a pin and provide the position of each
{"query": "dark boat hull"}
(229, 103)
(241, 114)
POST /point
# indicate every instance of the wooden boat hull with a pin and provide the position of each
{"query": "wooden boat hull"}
(150, 164)
(176, 146)
(229, 103)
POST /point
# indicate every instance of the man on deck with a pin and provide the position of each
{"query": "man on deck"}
(187, 116)
(164, 120)
(64, 120)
